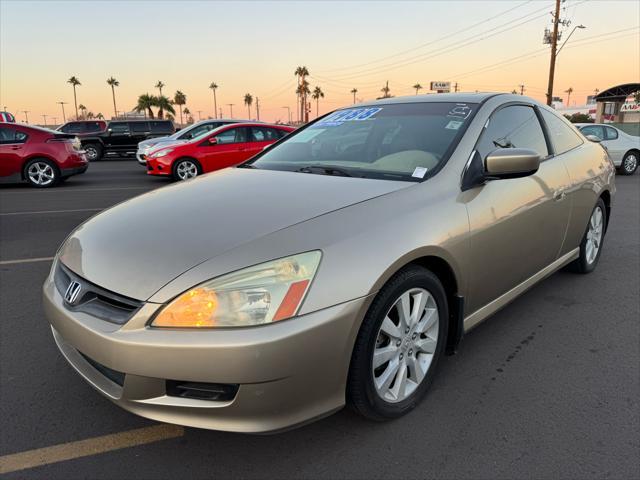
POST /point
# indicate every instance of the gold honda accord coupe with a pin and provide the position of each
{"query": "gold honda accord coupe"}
(336, 267)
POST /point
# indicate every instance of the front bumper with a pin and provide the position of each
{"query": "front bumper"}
(159, 166)
(141, 157)
(288, 373)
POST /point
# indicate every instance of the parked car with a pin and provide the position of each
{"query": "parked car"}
(38, 156)
(220, 148)
(122, 137)
(82, 128)
(261, 297)
(186, 134)
(624, 149)
(6, 117)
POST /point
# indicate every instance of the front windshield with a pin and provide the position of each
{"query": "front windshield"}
(396, 141)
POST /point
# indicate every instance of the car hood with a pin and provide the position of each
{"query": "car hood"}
(155, 141)
(140, 245)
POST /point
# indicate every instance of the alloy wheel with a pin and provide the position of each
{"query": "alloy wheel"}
(186, 170)
(91, 152)
(405, 345)
(630, 163)
(41, 173)
(594, 235)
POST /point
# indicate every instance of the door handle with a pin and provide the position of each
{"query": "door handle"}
(16, 148)
(559, 195)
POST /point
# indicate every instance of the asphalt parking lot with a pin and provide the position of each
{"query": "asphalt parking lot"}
(547, 388)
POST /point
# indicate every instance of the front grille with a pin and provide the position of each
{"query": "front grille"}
(94, 300)
(113, 375)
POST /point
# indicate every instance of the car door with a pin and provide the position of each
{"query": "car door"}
(119, 136)
(139, 131)
(517, 226)
(230, 148)
(12, 145)
(616, 146)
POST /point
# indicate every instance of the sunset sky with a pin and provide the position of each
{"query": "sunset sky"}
(254, 47)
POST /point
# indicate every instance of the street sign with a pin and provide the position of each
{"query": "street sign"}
(441, 87)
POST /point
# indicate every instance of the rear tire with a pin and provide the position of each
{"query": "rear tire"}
(385, 344)
(629, 163)
(186, 169)
(93, 151)
(591, 245)
(41, 173)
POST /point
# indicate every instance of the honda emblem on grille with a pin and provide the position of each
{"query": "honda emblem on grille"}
(73, 292)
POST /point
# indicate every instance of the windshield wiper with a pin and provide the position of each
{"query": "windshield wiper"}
(325, 169)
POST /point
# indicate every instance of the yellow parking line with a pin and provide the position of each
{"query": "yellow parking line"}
(26, 260)
(88, 447)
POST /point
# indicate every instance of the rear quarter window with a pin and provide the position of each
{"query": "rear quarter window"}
(161, 126)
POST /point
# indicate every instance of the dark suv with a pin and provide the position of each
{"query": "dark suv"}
(121, 137)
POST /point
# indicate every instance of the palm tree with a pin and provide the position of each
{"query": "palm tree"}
(187, 113)
(145, 102)
(354, 91)
(159, 86)
(90, 115)
(317, 95)
(385, 90)
(569, 91)
(213, 86)
(113, 83)
(302, 91)
(417, 86)
(164, 105)
(75, 83)
(180, 99)
(99, 116)
(248, 101)
(83, 109)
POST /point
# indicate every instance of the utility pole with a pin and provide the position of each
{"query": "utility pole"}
(221, 112)
(521, 89)
(257, 109)
(455, 87)
(45, 119)
(55, 120)
(64, 118)
(554, 45)
(199, 116)
(230, 105)
(26, 115)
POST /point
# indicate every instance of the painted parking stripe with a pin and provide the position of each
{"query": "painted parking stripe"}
(88, 447)
(46, 212)
(26, 260)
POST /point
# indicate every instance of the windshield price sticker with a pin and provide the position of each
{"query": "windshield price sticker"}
(454, 125)
(419, 172)
(350, 115)
(461, 110)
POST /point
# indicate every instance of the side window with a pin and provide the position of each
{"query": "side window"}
(610, 133)
(563, 137)
(139, 127)
(282, 133)
(196, 132)
(11, 135)
(513, 127)
(596, 130)
(94, 127)
(263, 134)
(73, 128)
(160, 127)
(233, 135)
(119, 127)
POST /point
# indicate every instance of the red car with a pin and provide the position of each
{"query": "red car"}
(220, 148)
(39, 156)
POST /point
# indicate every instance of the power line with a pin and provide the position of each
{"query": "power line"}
(431, 42)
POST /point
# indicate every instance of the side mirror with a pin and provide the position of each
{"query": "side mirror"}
(213, 141)
(511, 163)
(593, 138)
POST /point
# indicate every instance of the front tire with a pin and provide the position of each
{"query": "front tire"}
(185, 169)
(93, 151)
(629, 163)
(591, 245)
(41, 173)
(400, 342)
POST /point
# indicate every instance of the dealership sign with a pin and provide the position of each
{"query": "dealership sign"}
(441, 87)
(630, 105)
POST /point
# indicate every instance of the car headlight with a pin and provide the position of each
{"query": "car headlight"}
(264, 293)
(161, 153)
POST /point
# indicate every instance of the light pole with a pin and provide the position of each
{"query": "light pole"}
(288, 112)
(26, 115)
(199, 116)
(64, 118)
(568, 37)
(55, 120)
(44, 117)
(230, 105)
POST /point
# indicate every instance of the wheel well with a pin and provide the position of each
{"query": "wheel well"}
(606, 198)
(42, 157)
(441, 269)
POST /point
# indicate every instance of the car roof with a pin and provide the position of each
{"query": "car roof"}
(439, 97)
